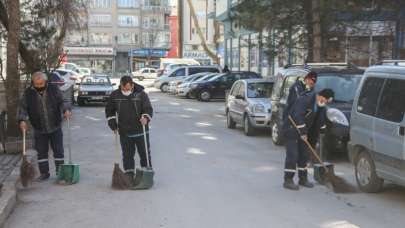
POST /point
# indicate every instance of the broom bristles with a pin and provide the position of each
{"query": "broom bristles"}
(119, 179)
(27, 172)
(339, 184)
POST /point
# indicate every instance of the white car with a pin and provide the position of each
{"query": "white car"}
(183, 88)
(84, 71)
(145, 73)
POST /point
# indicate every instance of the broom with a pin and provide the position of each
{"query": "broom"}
(27, 170)
(119, 179)
(339, 185)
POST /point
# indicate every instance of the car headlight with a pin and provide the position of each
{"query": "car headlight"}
(336, 116)
(258, 108)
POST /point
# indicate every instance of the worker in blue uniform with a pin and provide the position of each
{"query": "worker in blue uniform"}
(307, 111)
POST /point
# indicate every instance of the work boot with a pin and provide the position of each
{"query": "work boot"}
(305, 183)
(43, 177)
(289, 184)
(130, 176)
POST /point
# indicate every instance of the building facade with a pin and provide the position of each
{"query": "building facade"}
(192, 45)
(119, 36)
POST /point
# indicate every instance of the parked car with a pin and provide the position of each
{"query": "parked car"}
(215, 87)
(70, 66)
(94, 88)
(179, 73)
(183, 88)
(65, 84)
(84, 71)
(343, 80)
(249, 105)
(145, 73)
(377, 132)
(174, 85)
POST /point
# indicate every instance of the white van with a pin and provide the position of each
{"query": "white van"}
(168, 64)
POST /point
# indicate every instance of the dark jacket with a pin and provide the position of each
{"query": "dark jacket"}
(308, 117)
(129, 109)
(295, 91)
(43, 111)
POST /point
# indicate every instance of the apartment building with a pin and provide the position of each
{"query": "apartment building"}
(119, 36)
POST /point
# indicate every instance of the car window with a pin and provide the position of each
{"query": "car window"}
(95, 80)
(231, 78)
(392, 104)
(259, 90)
(344, 86)
(179, 73)
(369, 94)
(144, 71)
(277, 88)
(288, 82)
(242, 90)
(152, 70)
(235, 89)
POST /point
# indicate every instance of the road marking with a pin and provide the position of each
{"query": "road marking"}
(92, 118)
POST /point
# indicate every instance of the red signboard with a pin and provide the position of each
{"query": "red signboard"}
(173, 53)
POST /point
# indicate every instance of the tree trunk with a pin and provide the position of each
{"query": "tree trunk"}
(310, 30)
(13, 78)
(317, 36)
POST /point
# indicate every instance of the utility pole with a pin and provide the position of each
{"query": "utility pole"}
(180, 22)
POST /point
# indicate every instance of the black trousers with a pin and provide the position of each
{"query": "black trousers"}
(297, 156)
(131, 144)
(41, 142)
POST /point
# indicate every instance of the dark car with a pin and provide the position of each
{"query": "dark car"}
(342, 79)
(215, 87)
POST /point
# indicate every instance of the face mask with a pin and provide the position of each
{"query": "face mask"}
(126, 93)
(321, 104)
(40, 89)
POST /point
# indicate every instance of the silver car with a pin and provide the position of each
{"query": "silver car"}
(249, 105)
(94, 88)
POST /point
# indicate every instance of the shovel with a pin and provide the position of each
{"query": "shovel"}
(69, 173)
(144, 175)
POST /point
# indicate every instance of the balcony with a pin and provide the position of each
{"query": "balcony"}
(157, 9)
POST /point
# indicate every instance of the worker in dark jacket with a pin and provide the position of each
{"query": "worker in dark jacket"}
(127, 109)
(43, 105)
(307, 112)
(299, 88)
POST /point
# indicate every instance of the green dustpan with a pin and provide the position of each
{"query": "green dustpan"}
(144, 176)
(69, 173)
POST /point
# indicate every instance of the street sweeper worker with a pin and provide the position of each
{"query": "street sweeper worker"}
(307, 112)
(127, 109)
(43, 106)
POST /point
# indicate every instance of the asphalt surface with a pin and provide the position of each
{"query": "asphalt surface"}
(206, 176)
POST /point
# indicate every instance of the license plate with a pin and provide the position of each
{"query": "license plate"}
(96, 98)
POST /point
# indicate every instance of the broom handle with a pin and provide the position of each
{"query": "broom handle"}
(308, 144)
(146, 145)
(24, 152)
(69, 141)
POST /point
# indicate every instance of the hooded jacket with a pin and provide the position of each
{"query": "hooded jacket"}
(128, 110)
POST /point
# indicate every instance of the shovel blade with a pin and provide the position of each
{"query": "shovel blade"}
(143, 179)
(69, 174)
(320, 172)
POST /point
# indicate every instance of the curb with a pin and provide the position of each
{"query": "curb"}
(8, 198)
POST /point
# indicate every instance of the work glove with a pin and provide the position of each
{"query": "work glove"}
(113, 124)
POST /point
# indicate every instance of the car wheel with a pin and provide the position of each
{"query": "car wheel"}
(247, 127)
(366, 176)
(205, 95)
(229, 121)
(164, 88)
(80, 102)
(276, 134)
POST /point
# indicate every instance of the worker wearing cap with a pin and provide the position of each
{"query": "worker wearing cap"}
(307, 112)
(127, 109)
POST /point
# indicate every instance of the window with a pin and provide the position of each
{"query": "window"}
(150, 22)
(152, 70)
(179, 73)
(128, 38)
(392, 103)
(128, 21)
(100, 20)
(235, 89)
(127, 3)
(288, 82)
(241, 92)
(370, 92)
(100, 4)
(100, 38)
(148, 3)
(145, 71)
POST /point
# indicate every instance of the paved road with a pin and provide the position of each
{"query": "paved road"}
(206, 176)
